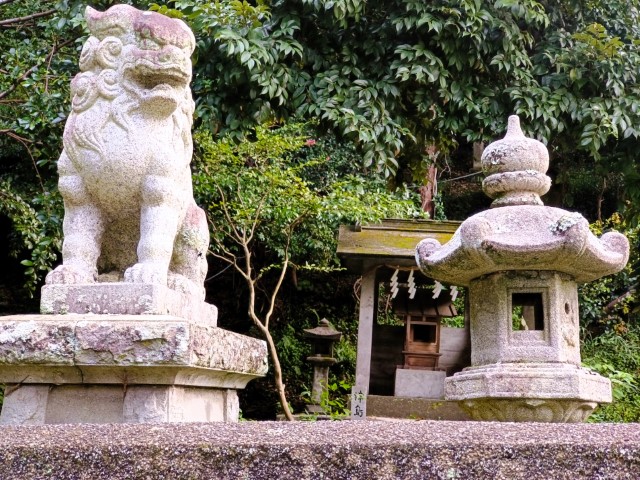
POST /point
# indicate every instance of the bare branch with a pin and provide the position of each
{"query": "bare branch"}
(256, 219)
(276, 288)
(33, 160)
(227, 215)
(46, 76)
(5, 2)
(616, 301)
(11, 21)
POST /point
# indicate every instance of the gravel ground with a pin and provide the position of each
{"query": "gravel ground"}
(322, 450)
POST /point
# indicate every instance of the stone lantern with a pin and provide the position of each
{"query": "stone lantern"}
(322, 339)
(521, 262)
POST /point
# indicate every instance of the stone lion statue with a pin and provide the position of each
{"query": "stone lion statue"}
(124, 171)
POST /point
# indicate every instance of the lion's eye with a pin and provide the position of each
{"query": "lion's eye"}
(149, 44)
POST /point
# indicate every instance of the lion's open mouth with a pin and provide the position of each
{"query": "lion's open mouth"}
(151, 76)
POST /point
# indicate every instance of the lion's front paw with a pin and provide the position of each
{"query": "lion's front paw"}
(68, 274)
(182, 284)
(146, 273)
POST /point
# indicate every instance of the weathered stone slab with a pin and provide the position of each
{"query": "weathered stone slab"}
(380, 450)
(125, 299)
(125, 341)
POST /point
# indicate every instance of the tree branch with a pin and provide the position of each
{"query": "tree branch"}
(24, 141)
(11, 21)
(612, 304)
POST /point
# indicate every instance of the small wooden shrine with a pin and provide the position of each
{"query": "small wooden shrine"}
(395, 355)
(422, 315)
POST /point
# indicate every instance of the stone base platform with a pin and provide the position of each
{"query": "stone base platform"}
(39, 404)
(543, 392)
(125, 299)
(413, 408)
(420, 383)
(122, 368)
(354, 450)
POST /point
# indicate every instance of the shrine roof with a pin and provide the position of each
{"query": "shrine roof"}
(390, 242)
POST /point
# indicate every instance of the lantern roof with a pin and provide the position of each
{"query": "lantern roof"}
(518, 232)
(324, 331)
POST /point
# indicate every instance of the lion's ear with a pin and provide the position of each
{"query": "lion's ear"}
(92, 16)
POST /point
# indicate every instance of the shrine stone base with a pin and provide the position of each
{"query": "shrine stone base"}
(86, 368)
(419, 383)
(544, 392)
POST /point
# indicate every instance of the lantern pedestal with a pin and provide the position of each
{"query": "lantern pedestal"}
(528, 392)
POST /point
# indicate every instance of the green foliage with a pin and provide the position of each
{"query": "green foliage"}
(333, 400)
(617, 356)
(36, 233)
(610, 330)
(610, 303)
(459, 303)
(428, 73)
(438, 73)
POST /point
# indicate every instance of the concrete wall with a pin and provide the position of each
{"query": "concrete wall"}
(331, 450)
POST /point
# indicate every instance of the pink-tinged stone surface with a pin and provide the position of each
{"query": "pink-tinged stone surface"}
(523, 238)
(25, 340)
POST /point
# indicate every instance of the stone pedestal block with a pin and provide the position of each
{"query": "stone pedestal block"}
(70, 404)
(122, 368)
(528, 392)
(125, 299)
(419, 383)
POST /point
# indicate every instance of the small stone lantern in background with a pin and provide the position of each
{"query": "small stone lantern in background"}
(322, 339)
(521, 262)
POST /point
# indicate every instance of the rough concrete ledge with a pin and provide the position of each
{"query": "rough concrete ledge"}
(335, 450)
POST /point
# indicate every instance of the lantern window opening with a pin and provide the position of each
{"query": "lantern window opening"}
(527, 311)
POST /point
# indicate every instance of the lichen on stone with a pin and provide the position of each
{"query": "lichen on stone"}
(565, 222)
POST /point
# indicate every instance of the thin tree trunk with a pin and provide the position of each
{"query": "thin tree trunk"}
(429, 191)
(277, 370)
(601, 198)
